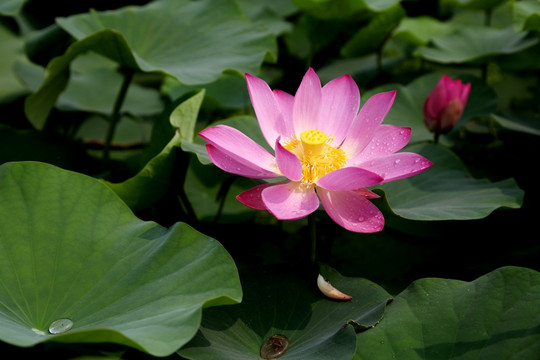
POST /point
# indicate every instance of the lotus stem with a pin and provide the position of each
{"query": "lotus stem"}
(115, 116)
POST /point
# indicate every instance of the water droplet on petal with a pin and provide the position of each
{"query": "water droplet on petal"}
(274, 347)
(361, 218)
(396, 162)
(60, 326)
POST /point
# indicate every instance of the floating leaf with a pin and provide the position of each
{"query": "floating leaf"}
(420, 30)
(496, 316)
(192, 41)
(475, 43)
(446, 191)
(76, 262)
(285, 300)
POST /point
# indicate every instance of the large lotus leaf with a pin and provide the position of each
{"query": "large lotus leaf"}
(407, 109)
(446, 191)
(475, 43)
(194, 41)
(527, 15)
(496, 316)
(284, 300)
(421, 29)
(71, 250)
(104, 80)
(154, 179)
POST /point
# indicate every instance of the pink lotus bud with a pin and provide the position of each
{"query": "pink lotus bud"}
(444, 105)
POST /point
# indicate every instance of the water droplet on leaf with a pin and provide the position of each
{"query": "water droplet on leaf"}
(60, 326)
(274, 347)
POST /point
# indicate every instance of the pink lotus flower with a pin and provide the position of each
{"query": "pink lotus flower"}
(324, 147)
(444, 105)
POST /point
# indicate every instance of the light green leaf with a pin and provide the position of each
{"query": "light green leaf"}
(496, 316)
(104, 80)
(284, 300)
(446, 191)
(420, 30)
(71, 249)
(475, 43)
(192, 41)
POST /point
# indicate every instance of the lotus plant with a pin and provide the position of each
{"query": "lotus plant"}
(324, 148)
(444, 105)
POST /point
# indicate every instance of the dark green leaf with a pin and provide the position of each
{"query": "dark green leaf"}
(285, 300)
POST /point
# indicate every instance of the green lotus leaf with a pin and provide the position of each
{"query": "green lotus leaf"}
(281, 299)
(420, 30)
(496, 316)
(91, 71)
(475, 43)
(77, 266)
(446, 191)
(191, 41)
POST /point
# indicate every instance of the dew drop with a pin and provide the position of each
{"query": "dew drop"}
(361, 218)
(275, 346)
(396, 162)
(60, 326)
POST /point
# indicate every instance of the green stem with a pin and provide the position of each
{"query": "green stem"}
(115, 116)
(313, 236)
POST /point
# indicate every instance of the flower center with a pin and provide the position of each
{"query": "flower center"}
(318, 158)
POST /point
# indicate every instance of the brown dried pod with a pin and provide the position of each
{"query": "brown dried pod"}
(274, 347)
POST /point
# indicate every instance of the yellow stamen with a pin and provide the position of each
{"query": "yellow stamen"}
(318, 158)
